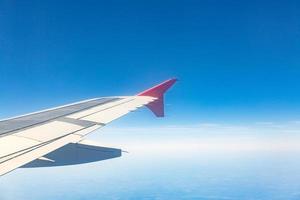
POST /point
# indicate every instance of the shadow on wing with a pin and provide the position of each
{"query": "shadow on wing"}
(73, 154)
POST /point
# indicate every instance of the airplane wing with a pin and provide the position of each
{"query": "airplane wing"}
(29, 138)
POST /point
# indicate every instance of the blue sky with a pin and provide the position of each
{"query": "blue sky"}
(233, 119)
(236, 61)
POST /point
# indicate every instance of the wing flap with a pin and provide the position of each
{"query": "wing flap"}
(12, 144)
(35, 152)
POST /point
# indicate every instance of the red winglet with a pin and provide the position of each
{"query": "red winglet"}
(157, 107)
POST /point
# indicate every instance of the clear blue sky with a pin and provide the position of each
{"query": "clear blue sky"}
(236, 60)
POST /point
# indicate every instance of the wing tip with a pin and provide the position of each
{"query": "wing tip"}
(157, 106)
(158, 90)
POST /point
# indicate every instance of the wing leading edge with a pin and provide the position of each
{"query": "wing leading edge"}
(31, 137)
